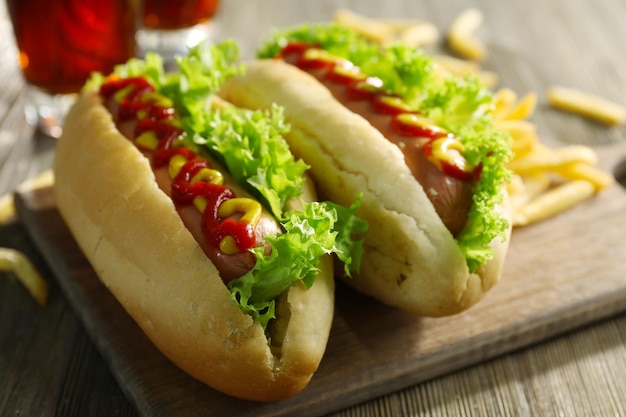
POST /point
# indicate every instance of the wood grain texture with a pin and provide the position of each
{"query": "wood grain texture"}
(50, 367)
(373, 349)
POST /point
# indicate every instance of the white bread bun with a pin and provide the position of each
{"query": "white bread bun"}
(411, 260)
(130, 232)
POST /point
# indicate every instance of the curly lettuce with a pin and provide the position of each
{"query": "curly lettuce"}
(256, 137)
(403, 70)
(462, 105)
(251, 146)
(319, 229)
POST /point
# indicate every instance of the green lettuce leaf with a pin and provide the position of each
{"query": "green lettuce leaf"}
(459, 104)
(403, 70)
(251, 146)
(348, 226)
(309, 234)
(462, 105)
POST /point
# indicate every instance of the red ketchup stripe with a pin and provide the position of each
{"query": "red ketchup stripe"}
(155, 119)
(360, 87)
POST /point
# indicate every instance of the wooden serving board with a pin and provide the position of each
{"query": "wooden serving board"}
(560, 274)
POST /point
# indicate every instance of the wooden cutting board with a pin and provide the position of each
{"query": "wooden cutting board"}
(560, 274)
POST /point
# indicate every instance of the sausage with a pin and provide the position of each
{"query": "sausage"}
(259, 337)
(411, 260)
(451, 196)
(230, 265)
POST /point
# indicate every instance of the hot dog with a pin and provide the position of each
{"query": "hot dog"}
(380, 121)
(197, 217)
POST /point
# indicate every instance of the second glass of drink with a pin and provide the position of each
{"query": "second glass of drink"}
(170, 27)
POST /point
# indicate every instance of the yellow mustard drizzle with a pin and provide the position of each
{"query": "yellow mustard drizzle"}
(157, 99)
(249, 209)
(443, 149)
(349, 71)
(228, 246)
(398, 103)
(210, 176)
(447, 148)
(322, 55)
(175, 165)
(121, 94)
(251, 212)
(148, 140)
(411, 119)
(162, 110)
(370, 84)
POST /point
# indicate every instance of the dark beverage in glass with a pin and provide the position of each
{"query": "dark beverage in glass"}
(61, 42)
(177, 14)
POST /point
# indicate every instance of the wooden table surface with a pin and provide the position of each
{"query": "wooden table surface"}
(49, 366)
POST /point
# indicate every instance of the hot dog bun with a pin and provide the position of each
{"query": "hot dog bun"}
(411, 260)
(130, 232)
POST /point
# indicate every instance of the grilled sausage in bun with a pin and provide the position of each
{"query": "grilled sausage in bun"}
(197, 217)
(420, 147)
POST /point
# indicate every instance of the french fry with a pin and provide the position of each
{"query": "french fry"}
(467, 22)
(468, 47)
(400, 25)
(577, 171)
(523, 145)
(14, 261)
(456, 66)
(524, 108)
(516, 127)
(7, 209)
(523, 132)
(535, 185)
(527, 189)
(587, 105)
(461, 35)
(462, 67)
(44, 179)
(370, 28)
(419, 35)
(515, 186)
(551, 159)
(503, 100)
(489, 79)
(553, 202)
(412, 32)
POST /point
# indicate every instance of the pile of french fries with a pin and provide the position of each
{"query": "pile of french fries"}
(546, 180)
